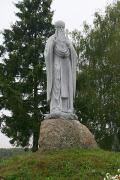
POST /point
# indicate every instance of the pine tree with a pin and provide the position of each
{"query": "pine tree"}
(23, 92)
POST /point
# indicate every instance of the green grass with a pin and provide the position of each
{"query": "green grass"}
(72, 164)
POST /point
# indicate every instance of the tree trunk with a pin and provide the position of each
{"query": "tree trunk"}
(35, 138)
(36, 122)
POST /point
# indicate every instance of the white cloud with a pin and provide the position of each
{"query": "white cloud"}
(74, 12)
(4, 141)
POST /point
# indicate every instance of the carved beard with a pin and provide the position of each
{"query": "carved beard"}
(61, 35)
(61, 49)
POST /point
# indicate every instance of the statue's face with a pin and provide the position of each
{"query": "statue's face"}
(60, 32)
(61, 29)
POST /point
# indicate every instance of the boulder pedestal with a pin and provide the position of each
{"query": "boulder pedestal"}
(60, 133)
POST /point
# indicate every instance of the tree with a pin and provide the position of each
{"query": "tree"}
(23, 88)
(98, 94)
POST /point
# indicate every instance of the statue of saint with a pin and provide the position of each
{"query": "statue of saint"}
(61, 60)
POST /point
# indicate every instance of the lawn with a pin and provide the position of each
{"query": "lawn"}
(69, 164)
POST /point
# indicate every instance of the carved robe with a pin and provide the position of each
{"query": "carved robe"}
(61, 62)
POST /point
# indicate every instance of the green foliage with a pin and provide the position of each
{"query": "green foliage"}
(98, 83)
(64, 164)
(22, 71)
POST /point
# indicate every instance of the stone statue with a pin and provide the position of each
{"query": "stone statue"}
(61, 60)
(61, 128)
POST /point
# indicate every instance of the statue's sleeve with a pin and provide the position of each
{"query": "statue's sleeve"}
(74, 60)
(48, 54)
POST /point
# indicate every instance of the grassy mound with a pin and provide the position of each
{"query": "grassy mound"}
(72, 164)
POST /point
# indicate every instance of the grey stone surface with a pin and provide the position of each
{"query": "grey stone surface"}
(59, 133)
(61, 115)
(61, 60)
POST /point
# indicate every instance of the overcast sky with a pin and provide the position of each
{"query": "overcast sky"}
(73, 12)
